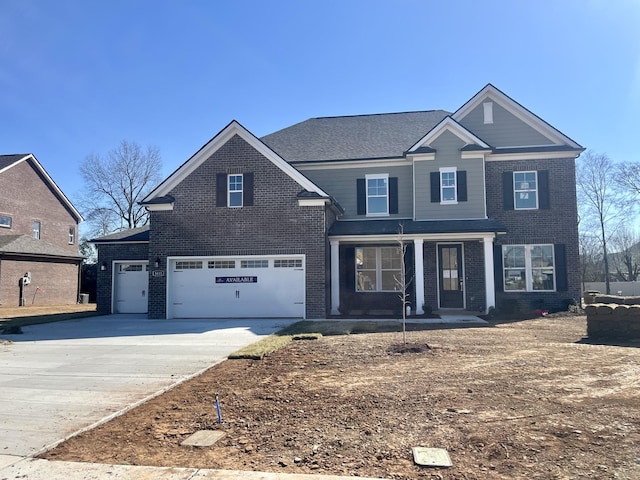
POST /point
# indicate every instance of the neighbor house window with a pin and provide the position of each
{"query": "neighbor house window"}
(234, 191)
(36, 229)
(377, 194)
(528, 268)
(72, 235)
(5, 221)
(378, 269)
(525, 190)
(448, 187)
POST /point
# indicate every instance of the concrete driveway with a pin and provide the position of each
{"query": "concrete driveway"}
(58, 378)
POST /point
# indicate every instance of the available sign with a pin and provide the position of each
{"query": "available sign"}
(236, 279)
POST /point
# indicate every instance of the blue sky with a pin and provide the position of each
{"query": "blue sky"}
(79, 76)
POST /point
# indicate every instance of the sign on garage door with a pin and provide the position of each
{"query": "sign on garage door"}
(244, 287)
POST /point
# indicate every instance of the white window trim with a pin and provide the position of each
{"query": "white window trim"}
(72, 235)
(37, 233)
(528, 267)
(366, 187)
(229, 191)
(536, 190)
(453, 170)
(378, 271)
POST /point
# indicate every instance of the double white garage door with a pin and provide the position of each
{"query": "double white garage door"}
(240, 287)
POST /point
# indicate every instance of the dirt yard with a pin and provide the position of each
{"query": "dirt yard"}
(525, 400)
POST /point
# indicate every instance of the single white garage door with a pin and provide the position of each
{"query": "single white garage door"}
(247, 287)
(130, 287)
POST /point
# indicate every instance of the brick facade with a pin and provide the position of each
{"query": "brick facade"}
(274, 224)
(26, 195)
(556, 225)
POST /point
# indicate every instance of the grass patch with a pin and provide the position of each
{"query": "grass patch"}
(308, 330)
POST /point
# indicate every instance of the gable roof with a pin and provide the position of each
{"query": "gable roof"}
(357, 137)
(448, 124)
(29, 246)
(9, 161)
(234, 128)
(489, 92)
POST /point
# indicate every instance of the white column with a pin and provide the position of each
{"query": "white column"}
(490, 286)
(335, 277)
(419, 274)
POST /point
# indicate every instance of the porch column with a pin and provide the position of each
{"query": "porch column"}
(419, 274)
(335, 277)
(489, 282)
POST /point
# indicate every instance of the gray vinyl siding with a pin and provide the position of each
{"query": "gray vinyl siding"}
(341, 184)
(506, 130)
(448, 155)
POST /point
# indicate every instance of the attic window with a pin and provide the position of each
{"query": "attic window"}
(5, 221)
(488, 112)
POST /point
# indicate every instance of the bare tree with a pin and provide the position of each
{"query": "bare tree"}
(627, 259)
(590, 259)
(402, 282)
(628, 177)
(114, 185)
(599, 201)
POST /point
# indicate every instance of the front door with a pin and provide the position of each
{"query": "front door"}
(450, 276)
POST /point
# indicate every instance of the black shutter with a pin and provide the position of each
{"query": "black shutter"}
(498, 274)
(362, 196)
(543, 190)
(562, 283)
(393, 195)
(247, 189)
(461, 184)
(507, 190)
(435, 187)
(221, 190)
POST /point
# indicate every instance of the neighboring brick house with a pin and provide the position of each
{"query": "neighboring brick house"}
(305, 222)
(38, 236)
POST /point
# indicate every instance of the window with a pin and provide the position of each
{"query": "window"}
(188, 265)
(448, 186)
(528, 268)
(378, 269)
(525, 190)
(5, 221)
(222, 264)
(288, 263)
(377, 194)
(36, 229)
(254, 264)
(488, 112)
(136, 267)
(235, 191)
(72, 235)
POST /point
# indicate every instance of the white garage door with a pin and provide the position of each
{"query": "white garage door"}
(246, 287)
(131, 285)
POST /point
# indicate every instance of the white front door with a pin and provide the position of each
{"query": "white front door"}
(131, 287)
(245, 287)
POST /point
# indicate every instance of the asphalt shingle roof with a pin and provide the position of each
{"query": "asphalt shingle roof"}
(6, 160)
(390, 227)
(26, 245)
(139, 234)
(354, 137)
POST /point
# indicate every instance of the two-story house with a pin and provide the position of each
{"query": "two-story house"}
(307, 222)
(39, 260)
